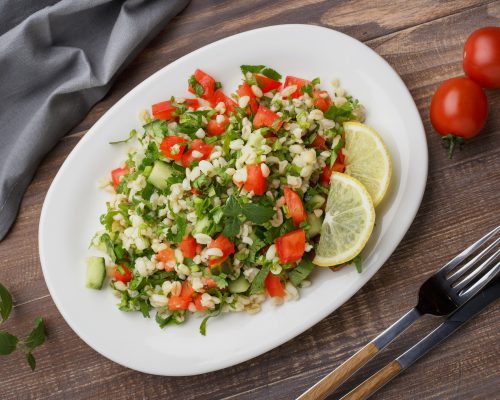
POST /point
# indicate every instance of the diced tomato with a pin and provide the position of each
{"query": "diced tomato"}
(208, 84)
(295, 206)
(299, 82)
(246, 90)
(274, 286)
(198, 305)
(319, 143)
(267, 84)
(338, 166)
(215, 128)
(225, 245)
(195, 191)
(291, 246)
(210, 283)
(199, 248)
(163, 110)
(188, 246)
(322, 102)
(124, 277)
(199, 146)
(192, 103)
(256, 180)
(266, 117)
(178, 303)
(220, 97)
(187, 291)
(166, 256)
(167, 147)
(117, 174)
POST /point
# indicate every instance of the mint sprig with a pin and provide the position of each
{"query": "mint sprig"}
(8, 342)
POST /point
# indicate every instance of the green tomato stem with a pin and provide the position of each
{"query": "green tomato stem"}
(451, 143)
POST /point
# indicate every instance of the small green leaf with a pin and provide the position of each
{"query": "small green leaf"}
(133, 132)
(301, 272)
(218, 85)
(271, 73)
(258, 282)
(181, 222)
(231, 227)
(251, 68)
(232, 208)
(256, 213)
(163, 322)
(358, 262)
(8, 343)
(31, 360)
(5, 303)
(37, 335)
(203, 325)
(197, 87)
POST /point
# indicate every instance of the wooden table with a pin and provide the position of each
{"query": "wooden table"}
(423, 41)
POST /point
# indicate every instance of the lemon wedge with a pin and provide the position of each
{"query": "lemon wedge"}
(348, 223)
(367, 159)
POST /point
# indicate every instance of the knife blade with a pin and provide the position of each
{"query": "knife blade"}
(451, 324)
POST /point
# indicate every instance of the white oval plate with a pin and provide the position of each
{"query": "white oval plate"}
(70, 214)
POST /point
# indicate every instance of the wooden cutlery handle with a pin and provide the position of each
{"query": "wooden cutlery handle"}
(334, 379)
(374, 382)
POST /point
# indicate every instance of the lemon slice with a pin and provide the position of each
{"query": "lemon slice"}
(348, 223)
(367, 159)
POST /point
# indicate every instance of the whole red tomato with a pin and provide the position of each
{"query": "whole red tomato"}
(459, 109)
(482, 57)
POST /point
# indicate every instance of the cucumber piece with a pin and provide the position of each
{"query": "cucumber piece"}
(147, 171)
(201, 225)
(96, 272)
(159, 174)
(317, 201)
(315, 223)
(239, 285)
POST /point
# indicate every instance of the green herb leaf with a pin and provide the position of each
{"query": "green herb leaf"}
(256, 213)
(110, 248)
(251, 68)
(163, 322)
(181, 222)
(133, 132)
(31, 360)
(335, 152)
(5, 303)
(197, 87)
(218, 85)
(37, 335)
(8, 343)
(232, 227)
(220, 282)
(144, 308)
(203, 325)
(232, 208)
(258, 282)
(271, 73)
(302, 271)
(358, 262)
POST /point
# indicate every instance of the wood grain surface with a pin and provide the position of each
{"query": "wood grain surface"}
(423, 41)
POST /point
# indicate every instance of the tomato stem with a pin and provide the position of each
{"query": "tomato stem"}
(451, 143)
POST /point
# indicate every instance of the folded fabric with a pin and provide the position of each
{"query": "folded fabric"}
(57, 59)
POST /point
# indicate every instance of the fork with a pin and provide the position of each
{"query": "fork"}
(441, 294)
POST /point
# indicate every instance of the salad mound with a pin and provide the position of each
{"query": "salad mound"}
(220, 201)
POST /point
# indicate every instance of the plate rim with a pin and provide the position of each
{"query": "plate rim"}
(291, 333)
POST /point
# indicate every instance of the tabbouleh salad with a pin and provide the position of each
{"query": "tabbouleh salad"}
(219, 204)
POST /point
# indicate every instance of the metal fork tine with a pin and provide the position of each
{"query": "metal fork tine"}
(457, 274)
(469, 278)
(474, 289)
(467, 252)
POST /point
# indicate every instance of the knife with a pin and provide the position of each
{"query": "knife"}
(452, 323)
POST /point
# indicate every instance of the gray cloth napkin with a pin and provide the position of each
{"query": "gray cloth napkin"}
(57, 59)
